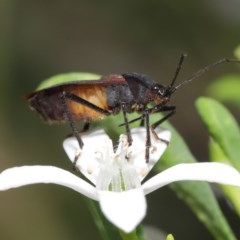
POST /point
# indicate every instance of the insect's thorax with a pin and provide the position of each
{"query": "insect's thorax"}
(122, 94)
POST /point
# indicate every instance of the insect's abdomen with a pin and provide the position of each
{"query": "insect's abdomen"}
(48, 103)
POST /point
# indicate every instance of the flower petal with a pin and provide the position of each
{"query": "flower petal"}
(98, 151)
(139, 148)
(91, 156)
(26, 175)
(124, 209)
(210, 172)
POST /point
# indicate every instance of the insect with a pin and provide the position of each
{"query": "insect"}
(88, 100)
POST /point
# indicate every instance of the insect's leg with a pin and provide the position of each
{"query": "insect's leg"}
(85, 126)
(69, 96)
(172, 110)
(148, 138)
(145, 117)
(126, 123)
(141, 118)
(73, 126)
(142, 121)
(70, 119)
(86, 103)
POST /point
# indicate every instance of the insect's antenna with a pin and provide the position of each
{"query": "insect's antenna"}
(182, 57)
(202, 71)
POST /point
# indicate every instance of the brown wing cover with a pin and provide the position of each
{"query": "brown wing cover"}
(48, 103)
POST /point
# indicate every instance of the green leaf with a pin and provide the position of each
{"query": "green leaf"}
(232, 193)
(170, 237)
(138, 234)
(67, 77)
(222, 127)
(226, 89)
(197, 195)
(129, 236)
(237, 52)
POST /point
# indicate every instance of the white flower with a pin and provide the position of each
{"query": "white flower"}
(115, 177)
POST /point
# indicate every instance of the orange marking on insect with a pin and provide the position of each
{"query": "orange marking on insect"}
(95, 95)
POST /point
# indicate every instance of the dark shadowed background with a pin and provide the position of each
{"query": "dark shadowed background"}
(39, 39)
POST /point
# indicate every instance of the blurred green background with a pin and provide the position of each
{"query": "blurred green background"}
(39, 39)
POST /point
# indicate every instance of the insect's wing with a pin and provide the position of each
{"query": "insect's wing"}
(89, 95)
(105, 81)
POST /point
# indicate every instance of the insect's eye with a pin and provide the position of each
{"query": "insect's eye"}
(159, 89)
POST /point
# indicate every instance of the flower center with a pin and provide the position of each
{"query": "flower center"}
(117, 179)
(119, 174)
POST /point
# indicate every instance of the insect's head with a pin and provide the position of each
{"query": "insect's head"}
(162, 93)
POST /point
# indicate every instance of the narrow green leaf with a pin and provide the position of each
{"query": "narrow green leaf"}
(232, 193)
(197, 195)
(67, 77)
(226, 89)
(129, 236)
(237, 52)
(222, 127)
(170, 237)
(216, 153)
(140, 233)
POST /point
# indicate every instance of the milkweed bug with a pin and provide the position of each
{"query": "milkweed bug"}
(88, 100)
